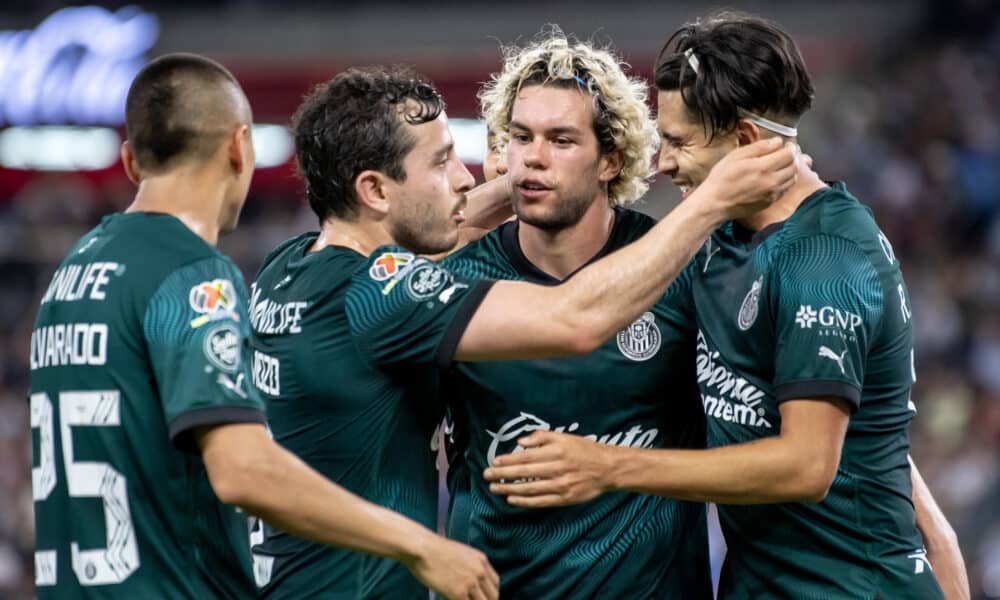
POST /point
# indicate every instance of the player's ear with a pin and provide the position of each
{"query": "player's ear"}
(129, 163)
(240, 152)
(372, 190)
(747, 132)
(611, 164)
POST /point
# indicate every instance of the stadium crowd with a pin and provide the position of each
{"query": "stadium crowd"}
(915, 133)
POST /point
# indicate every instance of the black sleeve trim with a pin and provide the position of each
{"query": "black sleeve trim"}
(453, 334)
(182, 427)
(815, 389)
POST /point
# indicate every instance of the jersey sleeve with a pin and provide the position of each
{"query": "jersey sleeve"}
(678, 301)
(196, 332)
(829, 307)
(407, 309)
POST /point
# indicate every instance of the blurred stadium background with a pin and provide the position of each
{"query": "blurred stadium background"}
(907, 112)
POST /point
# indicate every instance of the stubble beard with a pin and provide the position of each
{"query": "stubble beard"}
(565, 214)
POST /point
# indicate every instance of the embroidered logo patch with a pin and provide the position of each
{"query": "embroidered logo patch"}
(388, 264)
(426, 281)
(749, 308)
(641, 340)
(222, 347)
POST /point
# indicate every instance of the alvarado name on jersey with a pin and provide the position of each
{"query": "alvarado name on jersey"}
(725, 395)
(75, 344)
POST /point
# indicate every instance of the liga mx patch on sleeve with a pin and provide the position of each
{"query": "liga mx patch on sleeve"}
(388, 265)
(214, 300)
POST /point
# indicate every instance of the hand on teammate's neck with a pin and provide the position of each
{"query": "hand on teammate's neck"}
(807, 182)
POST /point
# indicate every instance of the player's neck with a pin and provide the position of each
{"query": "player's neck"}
(194, 197)
(362, 236)
(807, 182)
(561, 252)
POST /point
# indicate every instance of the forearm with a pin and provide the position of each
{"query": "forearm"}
(488, 205)
(581, 314)
(763, 471)
(943, 550)
(278, 487)
(613, 292)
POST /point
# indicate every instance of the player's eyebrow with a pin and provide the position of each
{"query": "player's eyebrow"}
(669, 137)
(443, 152)
(560, 130)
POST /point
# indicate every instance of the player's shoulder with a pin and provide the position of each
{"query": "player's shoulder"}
(294, 265)
(630, 225)
(487, 257)
(149, 248)
(834, 213)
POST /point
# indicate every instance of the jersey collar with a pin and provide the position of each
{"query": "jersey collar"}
(531, 273)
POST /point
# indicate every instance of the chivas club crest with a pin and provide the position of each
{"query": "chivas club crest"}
(640, 340)
(749, 308)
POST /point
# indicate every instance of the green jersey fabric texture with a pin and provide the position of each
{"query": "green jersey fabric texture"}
(140, 338)
(637, 390)
(814, 307)
(343, 353)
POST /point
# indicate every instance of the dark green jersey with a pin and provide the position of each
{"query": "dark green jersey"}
(813, 307)
(139, 339)
(637, 390)
(342, 345)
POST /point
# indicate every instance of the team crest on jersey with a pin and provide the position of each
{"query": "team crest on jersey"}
(426, 281)
(641, 340)
(388, 264)
(750, 306)
(222, 347)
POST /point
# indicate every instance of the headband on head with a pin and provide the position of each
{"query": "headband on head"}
(761, 122)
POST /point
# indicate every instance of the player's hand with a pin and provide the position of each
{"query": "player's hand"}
(554, 469)
(455, 570)
(752, 177)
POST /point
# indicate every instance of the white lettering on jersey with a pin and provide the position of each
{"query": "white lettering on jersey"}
(266, 373)
(271, 318)
(525, 423)
(69, 344)
(744, 402)
(76, 282)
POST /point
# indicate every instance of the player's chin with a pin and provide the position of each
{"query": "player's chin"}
(439, 241)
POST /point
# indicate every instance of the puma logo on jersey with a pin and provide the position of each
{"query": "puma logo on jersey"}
(826, 352)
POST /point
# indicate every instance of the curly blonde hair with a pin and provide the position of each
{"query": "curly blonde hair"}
(622, 119)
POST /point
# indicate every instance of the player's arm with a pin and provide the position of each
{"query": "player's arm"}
(487, 206)
(943, 551)
(798, 465)
(581, 314)
(247, 469)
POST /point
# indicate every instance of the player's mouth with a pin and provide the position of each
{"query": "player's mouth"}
(685, 187)
(533, 189)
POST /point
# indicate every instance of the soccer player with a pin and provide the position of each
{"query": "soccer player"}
(348, 322)
(149, 436)
(804, 356)
(562, 106)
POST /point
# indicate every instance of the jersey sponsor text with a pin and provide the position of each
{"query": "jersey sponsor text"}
(76, 282)
(271, 318)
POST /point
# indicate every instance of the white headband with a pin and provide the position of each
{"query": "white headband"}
(768, 124)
